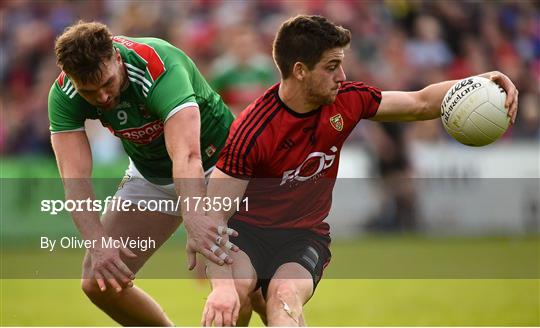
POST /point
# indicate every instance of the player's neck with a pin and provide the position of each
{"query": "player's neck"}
(293, 96)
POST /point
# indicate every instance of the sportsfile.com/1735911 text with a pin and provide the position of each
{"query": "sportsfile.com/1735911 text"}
(113, 203)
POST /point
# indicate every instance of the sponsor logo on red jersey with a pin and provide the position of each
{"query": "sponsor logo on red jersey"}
(311, 168)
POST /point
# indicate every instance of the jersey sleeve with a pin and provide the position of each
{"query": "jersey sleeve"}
(239, 156)
(364, 100)
(172, 93)
(63, 114)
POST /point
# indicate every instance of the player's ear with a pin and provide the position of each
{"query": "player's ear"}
(299, 71)
(117, 55)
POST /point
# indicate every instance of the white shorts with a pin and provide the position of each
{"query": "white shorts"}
(135, 188)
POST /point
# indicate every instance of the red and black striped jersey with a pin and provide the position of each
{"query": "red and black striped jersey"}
(291, 159)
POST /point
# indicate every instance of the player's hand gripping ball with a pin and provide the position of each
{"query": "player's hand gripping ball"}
(473, 111)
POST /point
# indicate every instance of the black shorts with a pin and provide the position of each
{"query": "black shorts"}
(269, 248)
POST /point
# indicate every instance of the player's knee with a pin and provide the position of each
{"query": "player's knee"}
(283, 304)
(90, 288)
(95, 294)
(283, 292)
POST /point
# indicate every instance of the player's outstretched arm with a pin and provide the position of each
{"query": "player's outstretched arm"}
(222, 185)
(223, 304)
(426, 103)
(74, 160)
(182, 138)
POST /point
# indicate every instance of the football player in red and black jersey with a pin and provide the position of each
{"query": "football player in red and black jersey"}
(282, 154)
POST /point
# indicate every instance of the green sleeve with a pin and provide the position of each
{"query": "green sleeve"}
(173, 92)
(218, 82)
(63, 116)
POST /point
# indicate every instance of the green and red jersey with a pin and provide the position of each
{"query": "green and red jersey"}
(162, 81)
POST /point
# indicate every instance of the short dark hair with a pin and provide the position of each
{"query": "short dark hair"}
(82, 48)
(304, 39)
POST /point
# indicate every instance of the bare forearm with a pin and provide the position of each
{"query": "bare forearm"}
(74, 160)
(426, 103)
(189, 182)
(223, 186)
(219, 275)
(434, 94)
(87, 222)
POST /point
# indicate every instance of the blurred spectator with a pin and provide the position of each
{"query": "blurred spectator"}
(397, 211)
(528, 125)
(427, 48)
(243, 72)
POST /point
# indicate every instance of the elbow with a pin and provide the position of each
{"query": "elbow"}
(189, 158)
(194, 157)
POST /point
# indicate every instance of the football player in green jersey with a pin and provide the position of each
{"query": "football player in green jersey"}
(172, 126)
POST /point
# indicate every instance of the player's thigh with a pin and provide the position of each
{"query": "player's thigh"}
(299, 262)
(292, 278)
(248, 263)
(245, 276)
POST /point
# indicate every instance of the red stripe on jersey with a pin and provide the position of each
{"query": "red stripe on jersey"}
(60, 79)
(254, 131)
(154, 63)
(260, 130)
(254, 116)
(245, 131)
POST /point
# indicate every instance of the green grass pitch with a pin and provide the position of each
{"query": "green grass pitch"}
(336, 303)
(339, 299)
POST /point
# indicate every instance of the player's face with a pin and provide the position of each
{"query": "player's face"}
(323, 82)
(105, 93)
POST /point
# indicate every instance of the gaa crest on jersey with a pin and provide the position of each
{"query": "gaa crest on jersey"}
(210, 150)
(337, 122)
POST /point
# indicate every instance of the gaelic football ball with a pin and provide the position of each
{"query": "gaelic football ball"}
(473, 111)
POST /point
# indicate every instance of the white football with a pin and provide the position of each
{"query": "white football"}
(473, 111)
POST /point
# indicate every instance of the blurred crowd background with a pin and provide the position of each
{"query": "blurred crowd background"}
(396, 45)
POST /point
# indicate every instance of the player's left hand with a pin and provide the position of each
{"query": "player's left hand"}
(511, 103)
(222, 307)
(209, 238)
